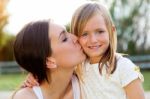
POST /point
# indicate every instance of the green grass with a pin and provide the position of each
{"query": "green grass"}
(11, 81)
(146, 83)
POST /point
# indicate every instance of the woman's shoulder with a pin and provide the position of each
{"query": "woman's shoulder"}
(24, 93)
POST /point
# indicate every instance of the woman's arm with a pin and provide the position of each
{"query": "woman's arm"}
(134, 90)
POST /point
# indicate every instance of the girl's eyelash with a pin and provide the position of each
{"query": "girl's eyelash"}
(84, 34)
(101, 31)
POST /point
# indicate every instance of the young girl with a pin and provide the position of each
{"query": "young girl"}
(105, 74)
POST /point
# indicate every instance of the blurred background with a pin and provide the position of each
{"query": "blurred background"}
(131, 17)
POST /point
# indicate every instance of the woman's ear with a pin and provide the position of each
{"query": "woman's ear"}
(51, 62)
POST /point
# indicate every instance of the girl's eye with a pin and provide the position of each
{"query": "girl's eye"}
(101, 31)
(84, 34)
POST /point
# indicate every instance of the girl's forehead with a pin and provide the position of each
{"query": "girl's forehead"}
(95, 20)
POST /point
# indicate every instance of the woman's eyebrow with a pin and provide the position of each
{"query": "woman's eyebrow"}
(62, 33)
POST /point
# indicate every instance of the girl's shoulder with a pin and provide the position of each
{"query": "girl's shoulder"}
(125, 65)
(124, 62)
(127, 70)
(24, 93)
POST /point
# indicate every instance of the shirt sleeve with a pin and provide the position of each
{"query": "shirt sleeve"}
(128, 71)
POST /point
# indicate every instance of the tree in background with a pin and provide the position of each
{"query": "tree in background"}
(132, 19)
(3, 19)
(142, 27)
(68, 27)
(6, 40)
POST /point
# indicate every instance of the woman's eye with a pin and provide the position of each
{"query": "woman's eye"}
(65, 39)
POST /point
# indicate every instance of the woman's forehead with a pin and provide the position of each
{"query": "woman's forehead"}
(55, 26)
(55, 29)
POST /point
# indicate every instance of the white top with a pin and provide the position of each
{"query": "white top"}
(75, 87)
(96, 86)
(38, 92)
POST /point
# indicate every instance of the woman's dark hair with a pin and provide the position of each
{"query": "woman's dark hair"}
(32, 47)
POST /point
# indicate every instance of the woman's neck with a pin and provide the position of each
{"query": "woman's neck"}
(59, 84)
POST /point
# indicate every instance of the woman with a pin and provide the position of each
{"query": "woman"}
(50, 53)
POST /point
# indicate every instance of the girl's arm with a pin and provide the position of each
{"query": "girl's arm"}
(134, 90)
(30, 81)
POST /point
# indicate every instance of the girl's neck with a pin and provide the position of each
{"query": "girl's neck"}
(94, 60)
(59, 84)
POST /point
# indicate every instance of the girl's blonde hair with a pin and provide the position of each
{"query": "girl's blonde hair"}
(80, 19)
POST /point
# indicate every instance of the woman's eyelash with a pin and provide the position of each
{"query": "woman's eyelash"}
(65, 39)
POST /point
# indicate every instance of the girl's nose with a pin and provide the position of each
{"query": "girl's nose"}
(93, 38)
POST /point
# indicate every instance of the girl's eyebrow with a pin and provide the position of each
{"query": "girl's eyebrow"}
(98, 29)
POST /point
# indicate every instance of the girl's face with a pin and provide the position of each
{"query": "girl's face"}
(95, 37)
(65, 47)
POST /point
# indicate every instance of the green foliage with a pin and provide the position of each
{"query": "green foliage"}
(68, 27)
(6, 51)
(92, 0)
(131, 48)
(3, 19)
(11, 82)
(6, 40)
(146, 83)
(126, 17)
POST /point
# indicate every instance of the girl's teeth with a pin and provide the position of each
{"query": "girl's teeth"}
(93, 46)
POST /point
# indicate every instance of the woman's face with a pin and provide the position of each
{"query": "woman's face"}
(65, 47)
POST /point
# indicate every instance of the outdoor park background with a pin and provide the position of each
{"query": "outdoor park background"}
(131, 17)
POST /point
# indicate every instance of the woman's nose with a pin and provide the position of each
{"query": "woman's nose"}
(74, 38)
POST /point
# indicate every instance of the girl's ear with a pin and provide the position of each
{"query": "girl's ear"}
(51, 62)
(113, 28)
